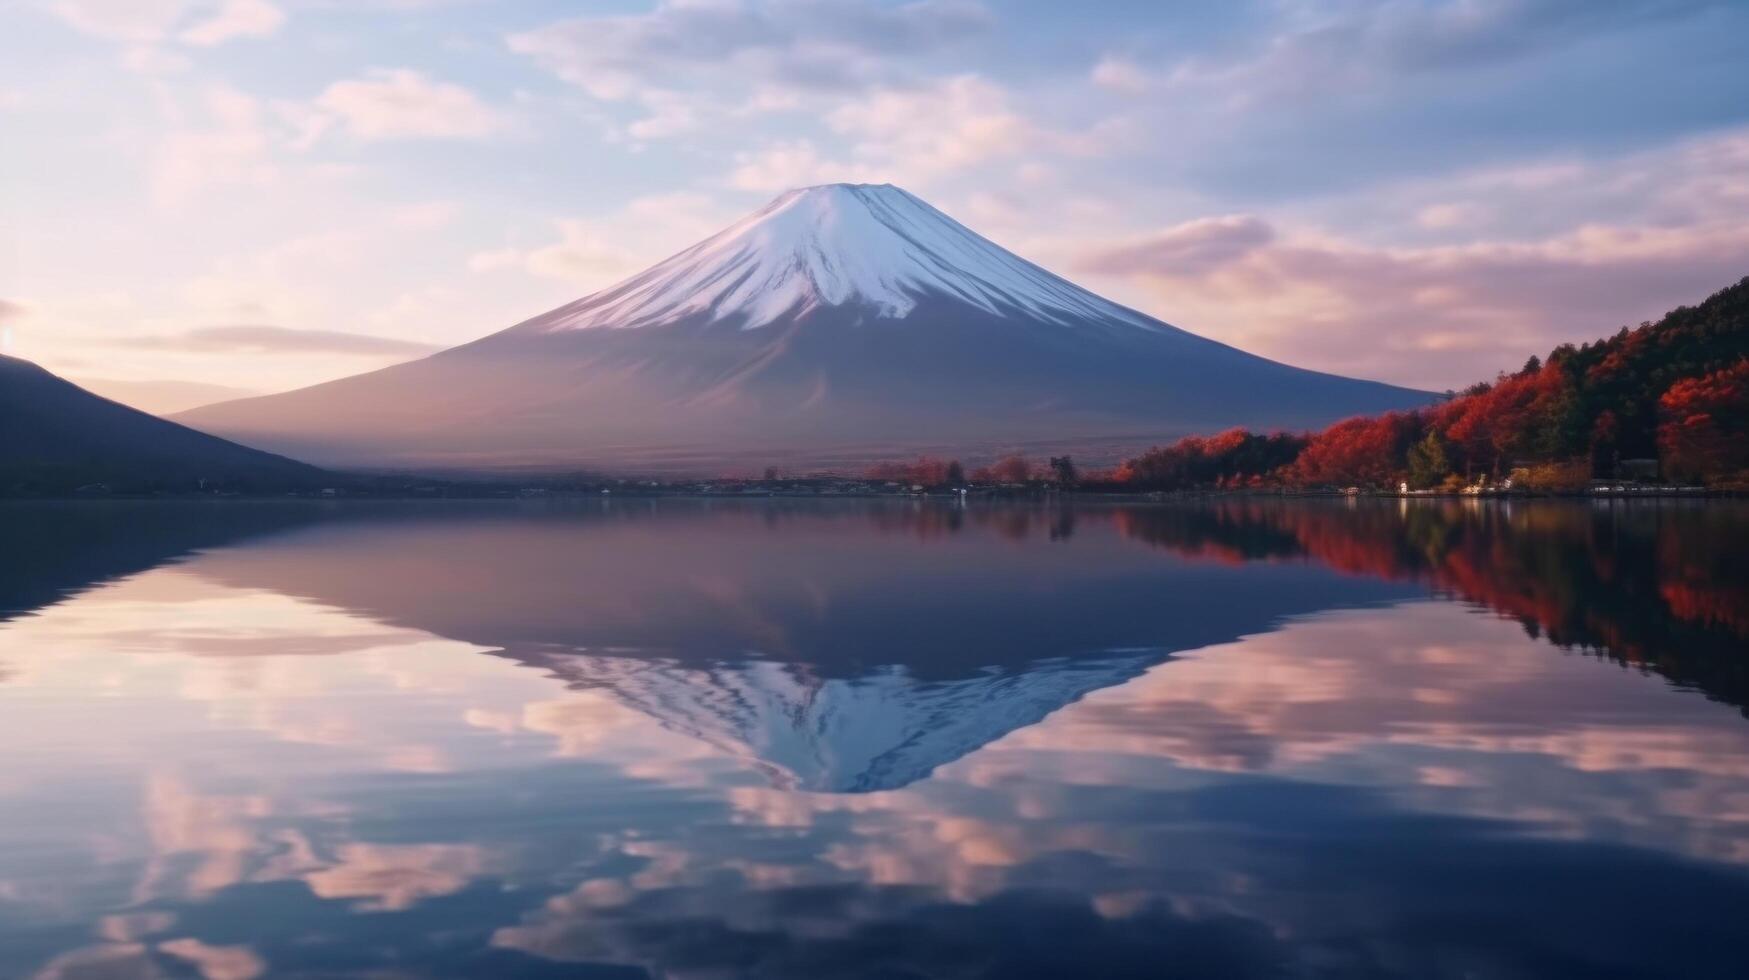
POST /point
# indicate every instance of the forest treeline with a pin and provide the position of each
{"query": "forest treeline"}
(1670, 398)
(1675, 391)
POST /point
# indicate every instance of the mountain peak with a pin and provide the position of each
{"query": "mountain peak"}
(836, 325)
(874, 246)
(844, 187)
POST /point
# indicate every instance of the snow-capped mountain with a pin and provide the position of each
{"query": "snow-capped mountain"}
(838, 323)
(880, 731)
(876, 248)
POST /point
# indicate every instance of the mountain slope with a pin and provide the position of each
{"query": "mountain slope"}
(56, 436)
(837, 323)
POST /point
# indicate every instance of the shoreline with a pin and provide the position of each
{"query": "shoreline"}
(979, 496)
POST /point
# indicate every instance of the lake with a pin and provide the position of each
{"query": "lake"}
(805, 738)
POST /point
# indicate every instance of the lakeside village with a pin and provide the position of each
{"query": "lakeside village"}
(841, 487)
(1635, 479)
(1011, 478)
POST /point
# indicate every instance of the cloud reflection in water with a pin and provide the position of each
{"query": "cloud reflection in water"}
(826, 742)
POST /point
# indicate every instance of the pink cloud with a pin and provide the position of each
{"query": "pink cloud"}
(1385, 312)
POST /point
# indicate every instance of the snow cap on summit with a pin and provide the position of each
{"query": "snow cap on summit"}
(874, 245)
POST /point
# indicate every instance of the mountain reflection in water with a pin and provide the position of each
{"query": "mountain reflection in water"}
(806, 738)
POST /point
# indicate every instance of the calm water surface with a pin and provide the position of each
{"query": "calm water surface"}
(874, 739)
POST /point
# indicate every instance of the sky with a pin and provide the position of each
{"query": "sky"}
(202, 198)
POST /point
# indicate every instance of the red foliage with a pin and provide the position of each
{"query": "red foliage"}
(1008, 469)
(925, 471)
(1510, 418)
(1234, 458)
(1703, 424)
(1359, 451)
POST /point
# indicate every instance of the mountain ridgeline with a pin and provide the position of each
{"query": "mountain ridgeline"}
(56, 437)
(838, 325)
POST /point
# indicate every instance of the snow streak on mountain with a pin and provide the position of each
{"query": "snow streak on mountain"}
(873, 246)
(837, 325)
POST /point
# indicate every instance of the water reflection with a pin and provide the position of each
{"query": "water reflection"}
(1655, 585)
(798, 739)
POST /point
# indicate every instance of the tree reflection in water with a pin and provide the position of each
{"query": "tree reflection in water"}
(1228, 738)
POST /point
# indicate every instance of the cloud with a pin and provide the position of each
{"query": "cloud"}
(1432, 316)
(197, 22)
(670, 115)
(151, 59)
(217, 962)
(786, 164)
(1454, 215)
(804, 42)
(231, 146)
(262, 338)
(1444, 281)
(1320, 49)
(1190, 249)
(122, 20)
(400, 103)
(583, 253)
(237, 18)
(395, 877)
(691, 59)
(1121, 75)
(227, 136)
(970, 122)
(426, 215)
(594, 252)
(1310, 98)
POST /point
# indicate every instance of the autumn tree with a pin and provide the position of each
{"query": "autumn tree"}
(1360, 451)
(1235, 457)
(1674, 388)
(1703, 427)
(925, 471)
(1011, 469)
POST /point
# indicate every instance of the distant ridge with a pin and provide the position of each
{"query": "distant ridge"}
(56, 437)
(838, 322)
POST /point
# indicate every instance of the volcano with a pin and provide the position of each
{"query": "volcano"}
(838, 324)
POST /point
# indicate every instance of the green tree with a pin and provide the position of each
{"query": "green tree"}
(1428, 464)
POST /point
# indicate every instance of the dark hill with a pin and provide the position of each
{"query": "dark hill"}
(56, 437)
